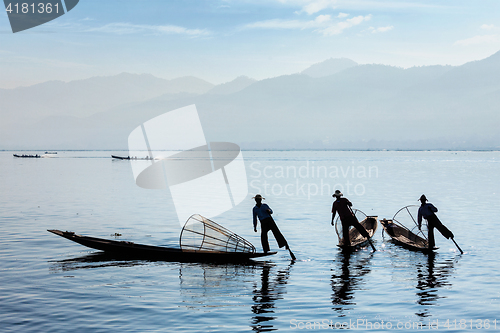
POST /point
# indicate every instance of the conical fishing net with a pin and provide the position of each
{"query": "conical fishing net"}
(404, 228)
(407, 218)
(360, 216)
(202, 234)
(368, 222)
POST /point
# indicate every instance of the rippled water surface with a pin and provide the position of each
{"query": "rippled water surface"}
(49, 284)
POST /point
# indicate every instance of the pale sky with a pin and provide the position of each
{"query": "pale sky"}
(222, 39)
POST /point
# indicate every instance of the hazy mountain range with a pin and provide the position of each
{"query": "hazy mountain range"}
(336, 104)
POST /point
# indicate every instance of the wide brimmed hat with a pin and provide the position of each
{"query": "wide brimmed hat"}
(423, 198)
(337, 194)
(258, 196)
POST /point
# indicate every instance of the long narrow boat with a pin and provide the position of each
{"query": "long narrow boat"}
(138, 251)
(26, 156)
(147, 158)
(403, 236)
(357, 240)
(121, 157)
(49, 154)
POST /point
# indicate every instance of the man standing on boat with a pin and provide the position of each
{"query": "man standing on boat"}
(263, 212)
(427, 211)
(347, 217)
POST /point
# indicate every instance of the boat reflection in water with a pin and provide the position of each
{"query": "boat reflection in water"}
(93, 260)
(223, 290)
(427, 273)
(431, 275)
(225, 287)
(348, 278)
(212, 287)
(272, 288)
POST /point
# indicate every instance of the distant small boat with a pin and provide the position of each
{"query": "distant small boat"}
(401, 235)
(121, 157)
(26, 156)
(356, 239)
(131, 158)
(49, 154)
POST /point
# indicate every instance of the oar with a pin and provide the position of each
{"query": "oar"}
(369, 240)
(292, 255)
(449, 234)
(458, 247)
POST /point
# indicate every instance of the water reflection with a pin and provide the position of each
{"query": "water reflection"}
(431, 275)
(272, 288)
(348, 278)
(94, 260)
(212, 287)
(215, 286)
(427, 273)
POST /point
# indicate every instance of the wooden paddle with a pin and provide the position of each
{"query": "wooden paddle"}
(448, 234)
(291, 254)
(373, 247)
(369, 240)
(458, 247)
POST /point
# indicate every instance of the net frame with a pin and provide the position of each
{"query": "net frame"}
(200, 234)
(338, 224)
(398, 220)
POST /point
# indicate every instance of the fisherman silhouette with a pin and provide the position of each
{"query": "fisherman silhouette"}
(263, 212)
(347, 217)
(427, 211)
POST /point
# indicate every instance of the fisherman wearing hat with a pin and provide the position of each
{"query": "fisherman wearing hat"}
(263, 212)
(347, 217)
(427, 211)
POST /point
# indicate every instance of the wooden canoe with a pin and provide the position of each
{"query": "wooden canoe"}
(357, 240)
(26, 156)
(131, 250)
(121, 157)
(131, 158)
(404, 237)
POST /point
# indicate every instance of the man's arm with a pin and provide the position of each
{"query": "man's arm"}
(432, 208)
(419, 219)
(254, 219)
(334, 211)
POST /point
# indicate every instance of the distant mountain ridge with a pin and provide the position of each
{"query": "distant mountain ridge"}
(331, 105)
(329, 67)
(82, 98)
(238, 84)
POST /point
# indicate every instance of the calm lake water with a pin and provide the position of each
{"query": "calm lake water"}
(49, 284)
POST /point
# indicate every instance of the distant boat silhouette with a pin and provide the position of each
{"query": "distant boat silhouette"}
(131, 158)
(27, 156)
